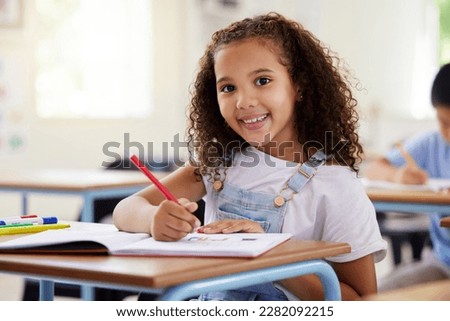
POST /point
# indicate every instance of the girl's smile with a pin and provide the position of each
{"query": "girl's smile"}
(254, 122)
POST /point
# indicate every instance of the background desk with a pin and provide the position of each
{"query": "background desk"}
(180, 278)
(445, 222)
(90, 185)
(386, 200)
(414, 230)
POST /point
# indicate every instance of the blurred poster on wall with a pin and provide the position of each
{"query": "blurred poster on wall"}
(12, 104)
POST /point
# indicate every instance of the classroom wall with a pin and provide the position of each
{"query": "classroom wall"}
(79, 143)
(374, 37)
(382, 42)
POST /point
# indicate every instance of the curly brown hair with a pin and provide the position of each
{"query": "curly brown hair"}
(326, 117)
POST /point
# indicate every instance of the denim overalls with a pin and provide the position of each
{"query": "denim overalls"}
(236, 203)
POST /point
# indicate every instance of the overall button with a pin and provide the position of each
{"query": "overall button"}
(279, 201)
(217, 185)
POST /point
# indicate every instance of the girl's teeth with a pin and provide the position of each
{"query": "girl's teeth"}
(254, 120)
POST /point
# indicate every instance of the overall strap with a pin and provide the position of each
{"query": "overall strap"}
(307, 170)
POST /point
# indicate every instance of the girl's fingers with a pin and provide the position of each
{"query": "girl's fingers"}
(172, 221)
(232, 226)
(190, 206)
(182, 213)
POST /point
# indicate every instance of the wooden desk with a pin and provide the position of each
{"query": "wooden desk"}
(445, 222)
(409, 201)
(89, 184)
(180, 278)
(432, 291)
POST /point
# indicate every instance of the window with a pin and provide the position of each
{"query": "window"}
(93, 59)
(431, 51)
(444, 31)
(424, 64)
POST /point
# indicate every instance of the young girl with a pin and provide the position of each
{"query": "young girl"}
(273, 149)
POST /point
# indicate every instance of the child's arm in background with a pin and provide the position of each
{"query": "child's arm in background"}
(357, 278)
(148, 211)
(381, 169)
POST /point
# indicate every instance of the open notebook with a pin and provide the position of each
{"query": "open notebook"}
(69, 241)
(433, 185)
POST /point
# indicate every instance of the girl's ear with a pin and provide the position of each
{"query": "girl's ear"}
(299, 95)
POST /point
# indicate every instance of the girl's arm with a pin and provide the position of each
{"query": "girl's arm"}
(357, 278)
(148, 211)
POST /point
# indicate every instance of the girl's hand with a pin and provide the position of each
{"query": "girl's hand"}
(232, 226)
(173, 221)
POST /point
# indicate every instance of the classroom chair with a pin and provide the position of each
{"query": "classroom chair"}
(404, 228)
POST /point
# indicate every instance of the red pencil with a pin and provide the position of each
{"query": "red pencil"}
(154, 180)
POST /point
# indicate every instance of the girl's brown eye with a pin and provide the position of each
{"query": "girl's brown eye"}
(262, 81)
(227, 89)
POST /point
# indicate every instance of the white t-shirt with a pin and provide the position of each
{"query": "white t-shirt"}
(332, 206)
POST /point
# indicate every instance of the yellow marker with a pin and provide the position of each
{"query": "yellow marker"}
(23, 229)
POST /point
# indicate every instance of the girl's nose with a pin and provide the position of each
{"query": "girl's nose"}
(246, 100)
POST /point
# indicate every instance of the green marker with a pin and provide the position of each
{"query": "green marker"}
(16, 225)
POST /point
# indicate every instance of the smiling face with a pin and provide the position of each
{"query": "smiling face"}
(256, 95)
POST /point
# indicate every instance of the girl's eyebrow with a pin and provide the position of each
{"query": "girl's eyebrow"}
(222, 79)
(260, 70)
(252, 73)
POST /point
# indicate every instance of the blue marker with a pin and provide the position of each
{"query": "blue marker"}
(32, 220)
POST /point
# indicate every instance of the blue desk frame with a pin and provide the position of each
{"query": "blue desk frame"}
(88, 195)
(411, 207)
